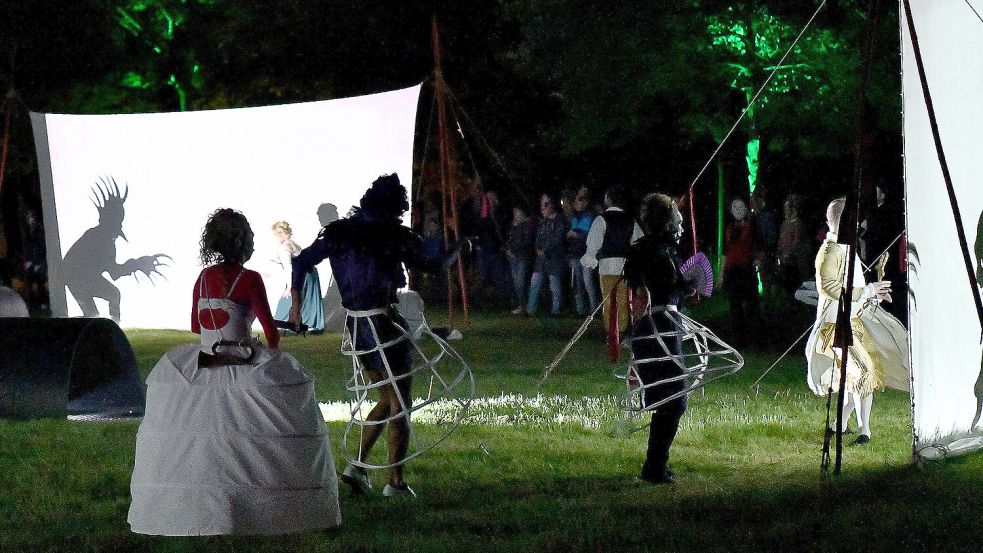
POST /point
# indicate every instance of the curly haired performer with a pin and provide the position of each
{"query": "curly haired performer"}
(206, 464)
(367, 251)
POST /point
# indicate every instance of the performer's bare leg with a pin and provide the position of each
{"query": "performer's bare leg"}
(399, 428)
(398, 434)
(370, 432)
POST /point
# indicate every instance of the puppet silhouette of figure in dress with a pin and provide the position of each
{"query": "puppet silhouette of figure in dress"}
(94, 253)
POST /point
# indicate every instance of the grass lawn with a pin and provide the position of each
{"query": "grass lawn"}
(747, 465)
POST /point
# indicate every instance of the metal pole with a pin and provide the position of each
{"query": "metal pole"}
(847, 232)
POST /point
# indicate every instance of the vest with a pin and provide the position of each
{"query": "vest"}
(617, 234)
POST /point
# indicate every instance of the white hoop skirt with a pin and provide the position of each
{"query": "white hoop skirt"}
(237, 449)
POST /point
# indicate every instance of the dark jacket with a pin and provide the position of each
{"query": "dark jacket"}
(654, 264)
(521, 240)
(366, 259)
(549, 239)
(618, 228)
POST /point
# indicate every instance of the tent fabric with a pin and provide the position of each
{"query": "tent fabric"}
(235, 449)
(947, 381)
(75, 367)
(11, 304)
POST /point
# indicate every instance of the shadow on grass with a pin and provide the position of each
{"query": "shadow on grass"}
(65, 488)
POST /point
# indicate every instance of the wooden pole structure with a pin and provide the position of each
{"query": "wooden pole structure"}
(8, 116)
(448, 190)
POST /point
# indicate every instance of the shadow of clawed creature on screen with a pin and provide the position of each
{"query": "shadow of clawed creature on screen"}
(95, 253)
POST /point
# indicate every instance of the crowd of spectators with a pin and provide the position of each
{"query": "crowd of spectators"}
(550, 253)
(767, 259)
(551, 249)
(23, 263)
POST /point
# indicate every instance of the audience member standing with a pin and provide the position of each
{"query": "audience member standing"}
(765, 238)
(488, 254)
(591, 281)
(790, 247)
(433, 247)
(549, 255)
(581, 277)
(519, 249)
(33, 262)
(740, 282)
(610, 235)
(7, 277)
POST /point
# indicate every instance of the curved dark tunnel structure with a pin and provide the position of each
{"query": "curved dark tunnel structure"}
(67, 367)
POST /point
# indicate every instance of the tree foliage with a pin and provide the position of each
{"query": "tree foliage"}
(621, 90)
(623, 74)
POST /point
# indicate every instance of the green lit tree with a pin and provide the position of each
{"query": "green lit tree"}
(748, 41)
(155, 27)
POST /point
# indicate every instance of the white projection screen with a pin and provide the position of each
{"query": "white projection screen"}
(272, 163)
(947, 388)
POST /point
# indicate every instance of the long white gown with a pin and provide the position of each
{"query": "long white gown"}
(232, 449)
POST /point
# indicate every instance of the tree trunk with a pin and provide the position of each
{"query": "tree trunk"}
(721, 210)
(753, 162)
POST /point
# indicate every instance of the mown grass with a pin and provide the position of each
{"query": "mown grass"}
(747, 463)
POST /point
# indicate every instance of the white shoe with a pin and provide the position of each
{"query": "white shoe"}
(455, 335)
(519, 311)
(396, 491)
(357, 478)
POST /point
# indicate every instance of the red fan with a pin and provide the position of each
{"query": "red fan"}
(698, 273)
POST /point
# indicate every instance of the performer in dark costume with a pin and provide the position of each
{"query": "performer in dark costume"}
(653, 264)
(367, 251)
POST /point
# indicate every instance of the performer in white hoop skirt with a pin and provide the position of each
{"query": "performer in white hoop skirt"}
(878, 357)
(232, 441)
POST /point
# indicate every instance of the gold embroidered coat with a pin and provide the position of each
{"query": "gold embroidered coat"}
(879, 355)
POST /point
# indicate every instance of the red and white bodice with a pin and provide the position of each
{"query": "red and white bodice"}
(221, 318)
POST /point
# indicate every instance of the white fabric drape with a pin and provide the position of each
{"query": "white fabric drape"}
(944, 326)
(272, 163)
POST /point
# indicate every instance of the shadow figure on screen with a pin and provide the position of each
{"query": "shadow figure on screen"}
(334, 313)
(94, 253)
(978, 389)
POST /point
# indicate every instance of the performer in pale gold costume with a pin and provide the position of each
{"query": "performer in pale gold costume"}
(878, 357)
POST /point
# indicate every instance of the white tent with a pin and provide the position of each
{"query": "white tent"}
(944, 275)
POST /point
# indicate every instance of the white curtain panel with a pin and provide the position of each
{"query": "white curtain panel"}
(947, 388)
(272, 163)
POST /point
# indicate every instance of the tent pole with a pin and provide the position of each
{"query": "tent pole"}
(847, 236)
(447, 186)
